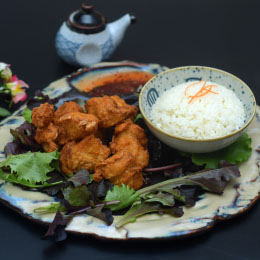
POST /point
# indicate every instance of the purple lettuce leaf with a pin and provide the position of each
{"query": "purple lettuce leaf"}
(102, 213)
(81, 177)
(39, 99)
(209, 180)
(25, 134)
(98, 190)
(55, 176)
(56, 229)
(23, 140)
(175, 211)
(99, 211)
(14, 148)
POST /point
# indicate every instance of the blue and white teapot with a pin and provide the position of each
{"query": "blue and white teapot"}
(85, 38)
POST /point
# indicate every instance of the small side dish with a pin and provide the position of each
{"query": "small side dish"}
(197, 109)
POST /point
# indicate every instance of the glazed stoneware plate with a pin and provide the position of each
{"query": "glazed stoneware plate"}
(124, 78)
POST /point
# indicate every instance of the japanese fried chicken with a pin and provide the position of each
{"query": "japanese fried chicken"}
(131, 137)
(129, 146)
(67, 124)
(120, 168)
(76, 126)
(79, 134)
(83, 155)
(47, 136)
(46, 131)
(110, 110)
(66, 108)
(43, 115)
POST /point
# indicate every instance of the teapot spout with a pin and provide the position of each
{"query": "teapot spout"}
(117, 29)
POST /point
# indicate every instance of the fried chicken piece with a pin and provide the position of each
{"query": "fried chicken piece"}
(120, 168)
(110, 110)
(46, 136)
(83, 155)
(43, 115)
(130, 157)
(131, 137)
(130, 110)
(66, 108)
(128, 129)
(76, 126)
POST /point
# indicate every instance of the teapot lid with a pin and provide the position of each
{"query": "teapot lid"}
(86, 20)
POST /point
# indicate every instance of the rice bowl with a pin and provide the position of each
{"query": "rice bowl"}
(215, 114)
(197, 132)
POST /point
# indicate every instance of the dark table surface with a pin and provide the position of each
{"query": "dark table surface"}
(220, 33)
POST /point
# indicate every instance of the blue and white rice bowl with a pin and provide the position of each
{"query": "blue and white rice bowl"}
(159, 84)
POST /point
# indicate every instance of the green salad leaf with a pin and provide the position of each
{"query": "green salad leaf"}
(139, 209)
(138, 116)
(52, 208)
(236, 153)
(4, 112)
(187, 199)
(165, 199)
(13, 179)
(176, 194)
(78, 196)
(124, 194)
(29, 169)
(136, 211)
(27, 114)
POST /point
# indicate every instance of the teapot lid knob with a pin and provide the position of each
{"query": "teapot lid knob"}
(87, 8)
(86, 20)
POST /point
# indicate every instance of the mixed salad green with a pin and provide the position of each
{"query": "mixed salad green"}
(172, 181)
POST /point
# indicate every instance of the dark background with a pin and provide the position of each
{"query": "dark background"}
(222, 33)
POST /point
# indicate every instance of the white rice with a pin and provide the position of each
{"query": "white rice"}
(206, 117)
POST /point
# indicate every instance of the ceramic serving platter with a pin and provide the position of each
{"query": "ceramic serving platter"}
(238, 196)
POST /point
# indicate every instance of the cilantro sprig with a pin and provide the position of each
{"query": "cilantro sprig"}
(124, 194)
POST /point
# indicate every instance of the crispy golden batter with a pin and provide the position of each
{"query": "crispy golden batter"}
(126, 130)
(66, 108)
(46, 136)
(110, 110)
(76, 126)
(43, 115)
(131, 137)
(120, 168)
(83, 155)
(130, 111)
(130, 157)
